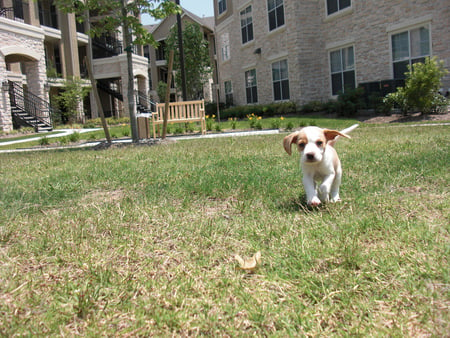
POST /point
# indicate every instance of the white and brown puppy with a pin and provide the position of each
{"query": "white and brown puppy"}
(319, 161)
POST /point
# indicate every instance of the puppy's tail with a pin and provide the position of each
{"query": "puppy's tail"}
(345, 132)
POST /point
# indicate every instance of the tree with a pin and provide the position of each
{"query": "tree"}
(420, 92)
(121, 16)
(196, 59)
(70, 98)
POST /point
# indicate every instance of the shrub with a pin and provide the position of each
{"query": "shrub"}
(349, 102)
(74, 137)
(420, 92)
(268, 110)
(312, 107)
(43, 141)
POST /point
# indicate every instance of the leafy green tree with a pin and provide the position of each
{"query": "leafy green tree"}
(420, 92)
(196, 59)
(121, 16)
(70, 99)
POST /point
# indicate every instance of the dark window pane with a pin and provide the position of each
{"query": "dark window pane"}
(277, 91)
(400, 68)
(336, 83)
(285, 89)
(280, 16)
(250, 32)
(332, 6)
(349, 80)
(272, 20)
(344, 3)
(255, 94)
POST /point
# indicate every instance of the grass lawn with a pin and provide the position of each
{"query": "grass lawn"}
(141, 240)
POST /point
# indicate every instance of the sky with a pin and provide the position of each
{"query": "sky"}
(198, 7)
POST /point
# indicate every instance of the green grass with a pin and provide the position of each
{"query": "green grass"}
(141, 240)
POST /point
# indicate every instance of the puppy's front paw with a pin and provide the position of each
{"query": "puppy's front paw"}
(335, 199)
(315, 201)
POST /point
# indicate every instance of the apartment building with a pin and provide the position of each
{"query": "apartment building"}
(276, 50)
(40, 47)
(158, 68)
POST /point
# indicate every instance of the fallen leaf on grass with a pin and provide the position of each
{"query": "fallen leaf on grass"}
(249, 264)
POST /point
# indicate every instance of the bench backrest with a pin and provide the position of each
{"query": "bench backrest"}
(182, 110)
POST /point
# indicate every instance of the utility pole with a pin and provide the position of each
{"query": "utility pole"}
(180, 47)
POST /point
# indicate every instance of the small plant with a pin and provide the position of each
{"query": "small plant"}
(63, 140)
(189, 127)
(44, 141)
(74, 137)
(255, 121)
(276, 124)
(126, 132)
(290, 126)
(233, 121)
(217, 127)
(210, 121)
(179, 129)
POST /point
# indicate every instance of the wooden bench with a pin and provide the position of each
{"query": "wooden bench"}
(180, 112)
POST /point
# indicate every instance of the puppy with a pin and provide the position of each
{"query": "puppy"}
(319, 161)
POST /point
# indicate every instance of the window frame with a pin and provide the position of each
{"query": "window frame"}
(410, 59)
(251, 88)
(338, 6)
(282, 81)
(221, 6)
(276, 10)
(344, 69)
(247, 28)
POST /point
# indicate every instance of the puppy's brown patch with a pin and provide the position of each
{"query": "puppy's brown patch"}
(298, 138)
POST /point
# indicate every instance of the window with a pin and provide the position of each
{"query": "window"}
(334, 6)
(222, 4)
(342, 70)
(247, 25)
(250, 86)
(228, 93)
(225, 49)
(280, 80)
(276, 13)
(408, 48)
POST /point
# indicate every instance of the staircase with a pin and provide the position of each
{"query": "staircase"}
(105, 86)
(143, 104)
(28, 109)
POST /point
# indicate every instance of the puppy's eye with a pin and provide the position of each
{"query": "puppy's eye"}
(301, 145)
(319, 143)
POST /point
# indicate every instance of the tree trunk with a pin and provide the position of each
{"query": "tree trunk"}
(127, 40)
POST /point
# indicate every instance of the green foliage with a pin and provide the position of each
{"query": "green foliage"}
(111, 15)
(196, 59)
(70, 98)
(44, 141)
(161, 91)
(282, 108)
(349, 102)
(420, 92)
(74, 137)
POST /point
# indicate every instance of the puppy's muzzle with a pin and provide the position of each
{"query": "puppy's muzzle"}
(310, 157)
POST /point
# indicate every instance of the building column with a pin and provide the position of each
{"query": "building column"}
(69, 44)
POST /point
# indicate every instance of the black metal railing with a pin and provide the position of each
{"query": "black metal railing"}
(30, 104)
(16, 12)
(143, 103)
(106, 46)
(106, 87)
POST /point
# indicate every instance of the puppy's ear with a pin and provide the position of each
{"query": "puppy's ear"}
(288, 140)
(330, 135)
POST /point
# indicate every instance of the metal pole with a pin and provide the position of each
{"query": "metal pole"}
(181, 51)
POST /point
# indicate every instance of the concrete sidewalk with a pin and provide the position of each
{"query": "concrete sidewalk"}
(95, 143)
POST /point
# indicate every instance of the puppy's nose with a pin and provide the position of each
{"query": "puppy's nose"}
(310, 156)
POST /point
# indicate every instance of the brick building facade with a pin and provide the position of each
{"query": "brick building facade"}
(275, 50)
